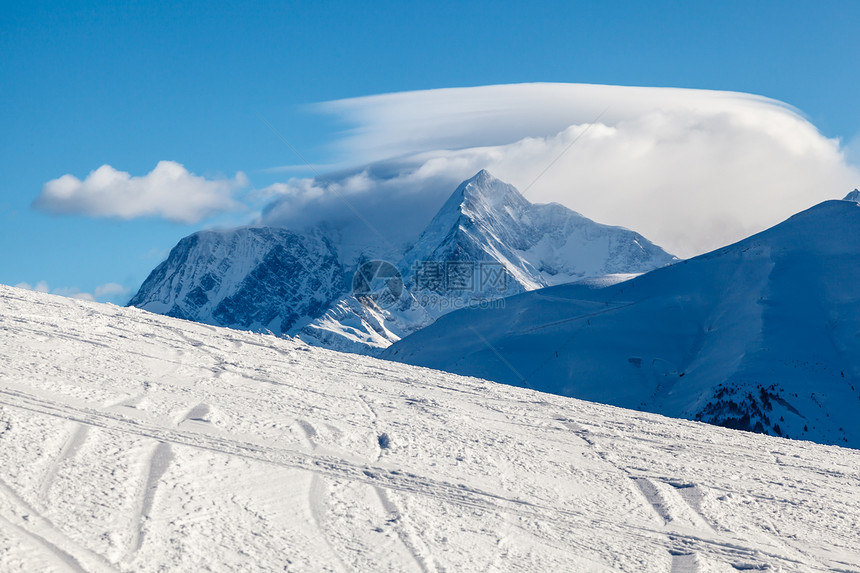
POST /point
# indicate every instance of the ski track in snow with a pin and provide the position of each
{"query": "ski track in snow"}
(25, 519)
(233, 451)
(70, 448)
(316, 496)
(156, 467)
(375, 477)
(57, 557)
(409, 541)
(670, 507)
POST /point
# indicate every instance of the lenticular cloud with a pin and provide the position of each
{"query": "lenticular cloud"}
(690, 169)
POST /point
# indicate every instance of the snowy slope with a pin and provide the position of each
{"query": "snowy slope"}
(760, 335)
(299, 282)
(131, 441)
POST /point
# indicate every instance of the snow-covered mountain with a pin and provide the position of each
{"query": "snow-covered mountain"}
(246, 278)
(487, 220)
(761, 335)
(486, 242)
(131, 441)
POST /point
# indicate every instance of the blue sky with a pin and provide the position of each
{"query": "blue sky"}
(88, 84)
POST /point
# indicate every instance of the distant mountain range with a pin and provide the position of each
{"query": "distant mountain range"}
(485, 243)
(762, 335)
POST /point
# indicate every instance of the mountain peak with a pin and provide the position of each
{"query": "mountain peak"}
(483, 192)
(482, 181)
(479, 196)
(482, 177)
(853, 196)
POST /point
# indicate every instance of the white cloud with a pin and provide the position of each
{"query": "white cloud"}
(40, 286)
(168, 191)
(690, 169)
(73, 292)
(110, 292)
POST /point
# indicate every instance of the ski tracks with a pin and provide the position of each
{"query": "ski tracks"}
(26, 521)
(670, 506)
(410, 541)
(73, 444)
(49, 551)
(681, 541)
(693, 543)
(155, 466)
(317, 496)
(676, 513)
(415, 548)
(70, 448)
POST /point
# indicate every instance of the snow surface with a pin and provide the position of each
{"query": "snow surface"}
(131, 441)
(760, 335)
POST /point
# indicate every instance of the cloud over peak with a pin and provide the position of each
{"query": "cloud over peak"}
(690, 169)
(397, 124)
(168, 191)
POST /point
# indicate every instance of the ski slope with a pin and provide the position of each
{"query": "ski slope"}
(131, 441)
